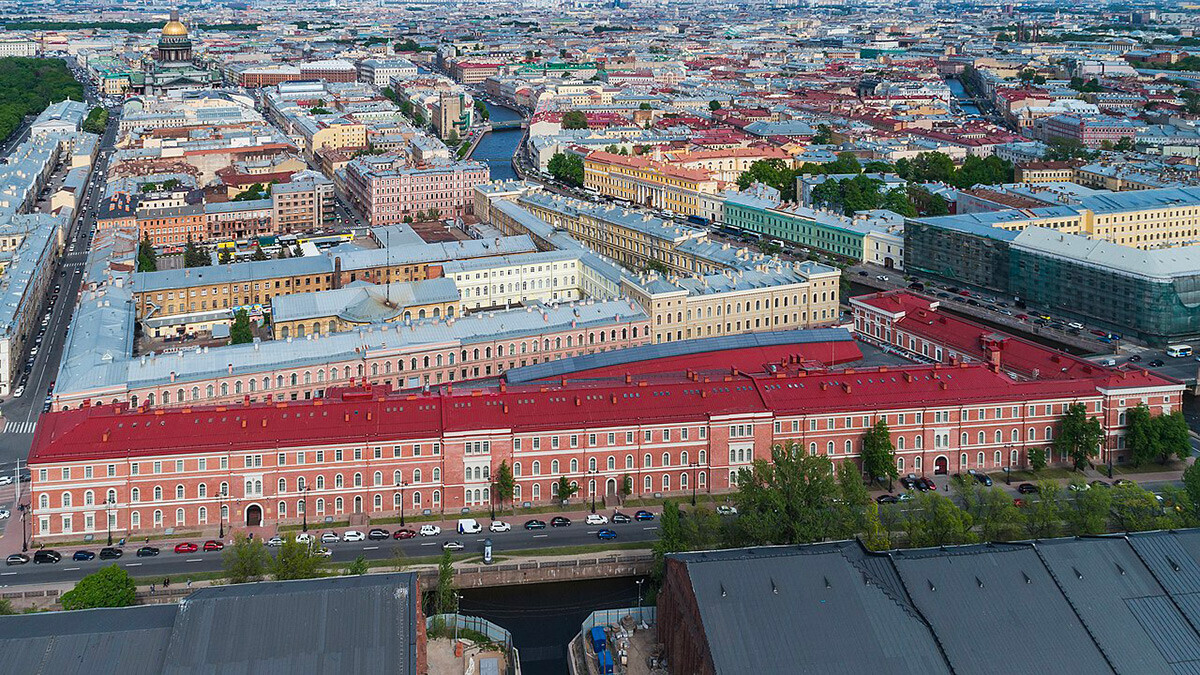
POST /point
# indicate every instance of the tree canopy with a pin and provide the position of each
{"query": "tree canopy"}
(574, 119)
(1078, 436)
(109, 587)
(567, 167)
(28, 85)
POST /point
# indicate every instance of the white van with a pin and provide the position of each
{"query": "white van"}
(469, 526)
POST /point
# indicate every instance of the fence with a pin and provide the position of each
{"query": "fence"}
(610, 617)
(633, 559)
(483, 626)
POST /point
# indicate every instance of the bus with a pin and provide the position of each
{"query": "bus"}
(1179, 350)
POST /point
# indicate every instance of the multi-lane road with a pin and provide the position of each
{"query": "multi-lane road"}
(177, 566)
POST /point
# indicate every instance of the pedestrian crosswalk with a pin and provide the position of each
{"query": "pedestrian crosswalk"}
(11, 427)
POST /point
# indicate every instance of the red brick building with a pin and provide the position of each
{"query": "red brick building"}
(371, 451)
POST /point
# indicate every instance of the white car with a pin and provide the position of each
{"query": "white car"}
(430, 530)
(4, 514)
(726, 510)
(596, 519)
(1076, 325)
(353, 535)
(275, 541)
(452, 546)
(330, 538)
(323, 552)
(18, 391)
(304, 538)
(499, 526)
(6, 480)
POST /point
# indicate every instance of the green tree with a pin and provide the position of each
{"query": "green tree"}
(295, 560)
(670, 537)
(855, 500)
(1141, 436)
(1037, 459)
(824, 135)
(714, 105)
(927, 167)
(934, 520)
(359, 566)
(97, 120)
(789, 500)
(147, 257)
(998, 517)
(565, 489)
(1087, 513)
(567, 167)
(878, 453)
(1134, 509)
(1191, 483)
(1124, 145)
(444, 601)
(193, 256)
(927, 203)
(626, 486)
(503, 484)
(1173, 437)
(254, 192)
(452, 138)
(1044, 510)
(258, 254)
(846, 162)
(1078, 436)
(109, 587)
(772, 172)
(481, 110)
(645, 106)
(240, 332)
(245, 561)
(6, 607)
(224, 257)
(574, 119)
(876, 166)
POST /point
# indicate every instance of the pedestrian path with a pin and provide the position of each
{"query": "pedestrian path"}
(11, 427)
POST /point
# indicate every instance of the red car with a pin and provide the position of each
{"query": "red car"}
(186, 547)
(213, 545)
(404, 534)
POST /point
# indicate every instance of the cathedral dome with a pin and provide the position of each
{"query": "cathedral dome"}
(174, 27)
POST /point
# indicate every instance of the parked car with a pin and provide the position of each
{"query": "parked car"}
(619, 517)
(378, 534)
(186, 547)
(606, 533)
(324, 552)
(909, 482)
(4, 513)
(404, 534)
(353, 535)
(83, 556)
(726, 510)
(452, 546)
(1078, 487)
(330, 538)
(1156, 363)
(984, 479)
(1122, 481)
(560, 521)
(16, 559)
(535, 524)
(923, 484)
(596, 519)
(430, 530)
(305, 538)
(111, 553)
(275, 541)
(643, 515)
(499, 526)
(46, 556)
(214, 545)
(1027, 489)
(1135, 358)
(1099, 483)
(886, 499)
(147, 552)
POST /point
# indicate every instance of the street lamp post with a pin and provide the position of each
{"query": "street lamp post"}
(694, 466)
(592, 486)
(24, 509)
(304, 509)
(108, 517)
(639, 605)
(221, 514)
(402, 485)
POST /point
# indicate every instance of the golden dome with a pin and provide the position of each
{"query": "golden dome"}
(174, 27)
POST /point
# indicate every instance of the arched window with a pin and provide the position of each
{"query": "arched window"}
(338, 505)
(320, 506)
(135, 495)
(554, 466)
(612, 463)
(998, 458)
(666, 482)
(281, 509)
(416, 475)
(999, 436)
(979, 460)
(683, 458)
(44, 499)
(378, 478)
(282, 485)
(537, 468)
(591, 463)
(179, 516)
(202, 515)
(158, 518)
(358, 480)
(574, 466)
(338, 481)
(962, 460)
(178, 492)
(829, 448)
(111, 497)
(320, 482)
(378, 502)
(982, 438)
(89, 498)
(516, 469)
(962, 439)
(157, 493)
(628, 461)
(647, 461)
(437, 473)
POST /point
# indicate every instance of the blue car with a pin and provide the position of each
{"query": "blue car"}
(643, 515)
(606, 534)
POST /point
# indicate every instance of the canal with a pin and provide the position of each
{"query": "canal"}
(964, 101)
(544, 617)
(497, 148)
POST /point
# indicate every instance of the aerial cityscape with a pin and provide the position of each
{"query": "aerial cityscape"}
(599, 337)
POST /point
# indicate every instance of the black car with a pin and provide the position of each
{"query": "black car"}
(643, 515)
(908, 482)
(619, 517)
(1028, 489)
(984, 479)
(378, 534)
(1156, 363)
(863, 274)
(535, 524)
(147, 552)
(560, 521)
(83, 556)
(886, 499)
(1135, 358)
(46, 556)
(922, 485)
(16, 559)
(110, 553)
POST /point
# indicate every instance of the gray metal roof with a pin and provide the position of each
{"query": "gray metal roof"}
(804, 610)
(573, 364)
(334, 625)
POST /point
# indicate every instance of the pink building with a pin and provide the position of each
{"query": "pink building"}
(387, 195)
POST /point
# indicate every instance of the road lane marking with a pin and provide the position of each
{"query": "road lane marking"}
(429, 543)
(650, 528)
(132, 564)
(370, 548)
(195, 560)
(70, 569)
(7, 574)
(537, 536)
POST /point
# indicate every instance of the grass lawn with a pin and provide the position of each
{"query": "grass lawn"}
(1047, 473)
(1150, 467)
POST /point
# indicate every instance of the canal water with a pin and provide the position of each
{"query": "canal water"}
(964, 101)
(544, 617)
(497, 148)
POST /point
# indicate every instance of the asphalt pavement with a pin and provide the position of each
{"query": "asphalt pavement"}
(178, 566)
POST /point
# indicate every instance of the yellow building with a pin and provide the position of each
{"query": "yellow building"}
(655, 184)
(345, 309)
